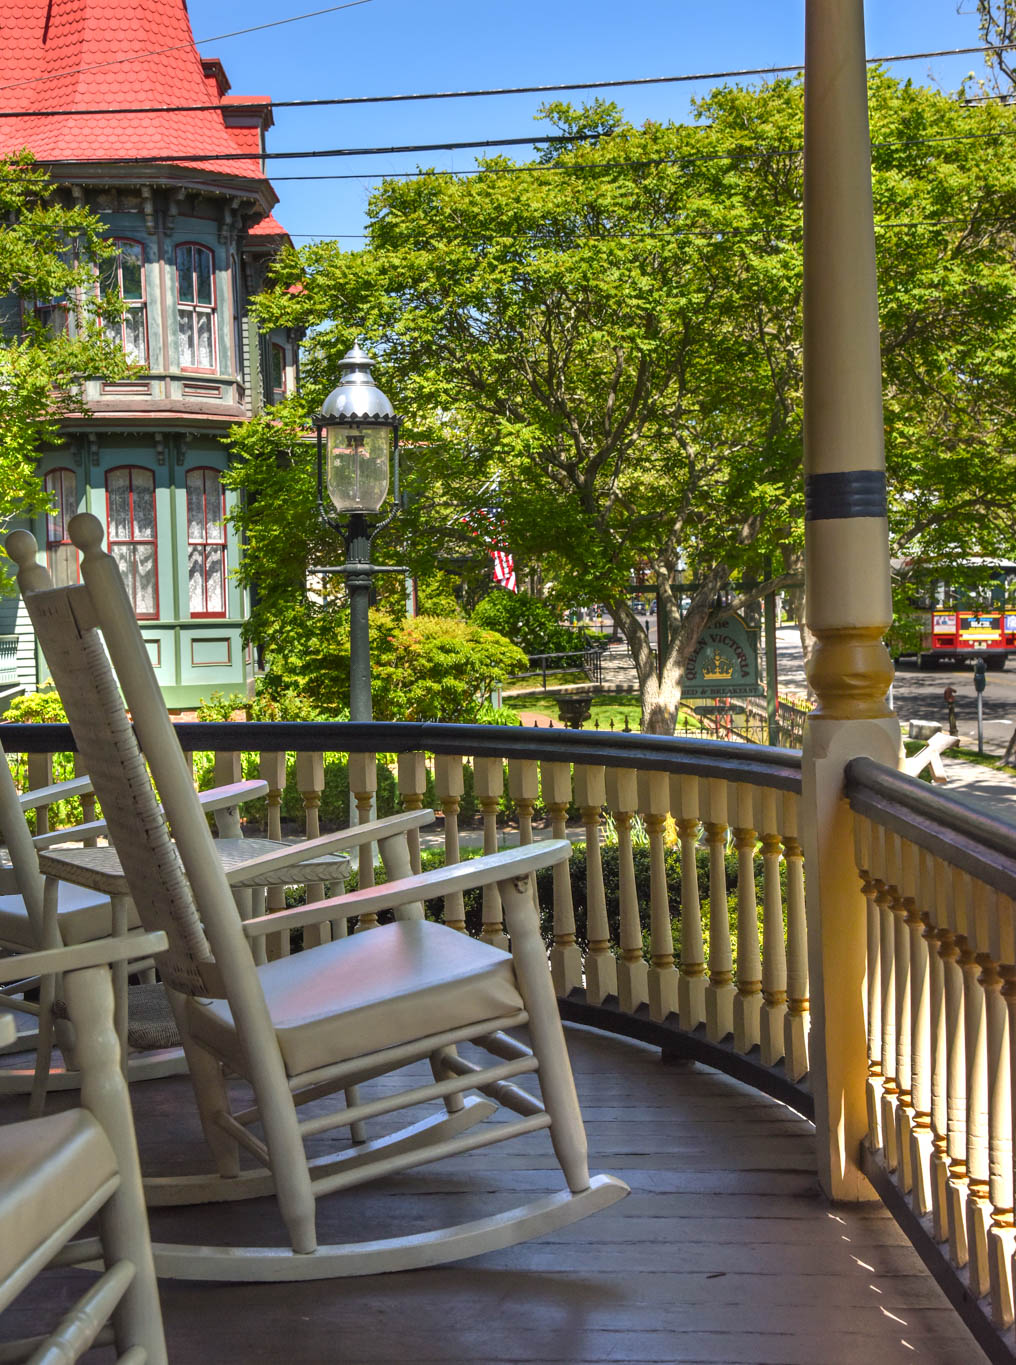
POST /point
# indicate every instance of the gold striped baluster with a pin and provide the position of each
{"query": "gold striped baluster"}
(1002, 1233)
(565, 954)
(796, 1023)
(691, 985)
(873, 981)
(310, 782)
(413, 789)
(524, 788)
(980, 976)
(883, 899)
(87, 801)
(40, 774)
(720, 991)
(632, 970)
(362, 773)
(600, 965)
(748, 997)
(449, 786)
(918, 897)
(488, 784)
(662, 977)
(774, 946)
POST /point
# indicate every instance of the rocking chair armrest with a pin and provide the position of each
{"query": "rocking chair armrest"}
(215, 798)
(56, 791)
(99, 953)
(337, 842)
(492, 867)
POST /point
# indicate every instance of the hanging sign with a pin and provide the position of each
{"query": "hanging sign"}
(725, 662)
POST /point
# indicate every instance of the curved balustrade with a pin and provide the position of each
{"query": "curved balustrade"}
(940, 883)
(734, 994)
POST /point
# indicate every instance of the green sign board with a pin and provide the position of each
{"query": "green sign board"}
(725, 662)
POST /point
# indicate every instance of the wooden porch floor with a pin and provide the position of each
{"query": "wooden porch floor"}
(725, 1250)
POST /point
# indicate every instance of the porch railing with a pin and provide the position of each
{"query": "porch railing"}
(717, 968)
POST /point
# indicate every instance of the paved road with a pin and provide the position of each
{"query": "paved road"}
(919, 695)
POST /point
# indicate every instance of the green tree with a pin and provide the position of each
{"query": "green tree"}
(614, 336)
(49, 258)
(527, 622)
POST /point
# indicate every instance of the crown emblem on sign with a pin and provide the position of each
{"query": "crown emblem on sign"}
(720, 668)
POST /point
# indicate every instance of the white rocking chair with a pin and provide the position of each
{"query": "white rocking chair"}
(304, 1027)
(58, 1172)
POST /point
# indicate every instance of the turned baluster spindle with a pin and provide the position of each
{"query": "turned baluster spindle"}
(632, 970)
(1002, 1232)
(796, 1023)
(748, 999)
(449, 785)
(227, 770)
(951, 953)
(272, 769)
(87, 801)
(488, 785)
(900, 907)
(873, 984)
(884, 901)
(524, 788)
(918, 898)
(565, 954)
(600, 964)
(362, 774)
(691, 985)
(720, 990)
(654, 804)
(310, 783)
(980, 977)
(413, 789)
(40, 774)
(774, 946)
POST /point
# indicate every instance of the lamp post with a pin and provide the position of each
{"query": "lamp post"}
(357, 447)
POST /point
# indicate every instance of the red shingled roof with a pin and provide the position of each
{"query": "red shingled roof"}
(102, 54)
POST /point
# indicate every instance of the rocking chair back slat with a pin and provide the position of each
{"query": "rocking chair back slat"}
(95, 709)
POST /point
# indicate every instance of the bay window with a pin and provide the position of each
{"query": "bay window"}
(195, 307)
(130, 506)
(206, 543)
(124, 274)
(61, 555)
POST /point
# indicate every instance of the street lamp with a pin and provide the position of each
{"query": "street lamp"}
(357, 444)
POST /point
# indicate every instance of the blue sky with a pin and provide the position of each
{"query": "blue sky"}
(396, 46)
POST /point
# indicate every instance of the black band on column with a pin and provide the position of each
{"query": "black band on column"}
(848, 493)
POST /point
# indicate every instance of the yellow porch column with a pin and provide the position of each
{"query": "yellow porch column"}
(848, 601)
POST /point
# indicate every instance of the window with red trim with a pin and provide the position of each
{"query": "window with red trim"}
(130, 508)
(195, 307)
(206, 543)
(124, 274)
(61, 555)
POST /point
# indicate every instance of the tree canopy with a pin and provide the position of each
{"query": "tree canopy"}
(611, 338)
(51, 322)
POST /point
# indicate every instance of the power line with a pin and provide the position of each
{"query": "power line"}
(756, 152)
(461, 94)
(176, 47)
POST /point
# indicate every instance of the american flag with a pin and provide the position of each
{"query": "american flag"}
(504, 569)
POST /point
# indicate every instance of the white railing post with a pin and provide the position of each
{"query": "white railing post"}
(774, 947)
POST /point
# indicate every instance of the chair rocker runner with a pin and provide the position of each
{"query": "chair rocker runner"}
(58, 1172)
(343, 1012)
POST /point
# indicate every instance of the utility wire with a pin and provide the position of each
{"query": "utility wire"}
(176, 47)
(736, 154)
(463, 94)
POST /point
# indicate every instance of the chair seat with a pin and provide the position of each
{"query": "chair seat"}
(401, 982)
(50, 1168)
(83, 915)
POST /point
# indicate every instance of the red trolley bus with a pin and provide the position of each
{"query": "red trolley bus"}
(971, 615)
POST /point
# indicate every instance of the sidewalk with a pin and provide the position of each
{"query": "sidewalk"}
(980, 787)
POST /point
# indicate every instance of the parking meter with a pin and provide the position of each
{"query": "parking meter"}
(980, 675)
(980, 681)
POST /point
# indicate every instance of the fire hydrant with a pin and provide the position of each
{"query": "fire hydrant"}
(950, 701)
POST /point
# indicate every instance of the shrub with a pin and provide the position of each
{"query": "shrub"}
(527, 622)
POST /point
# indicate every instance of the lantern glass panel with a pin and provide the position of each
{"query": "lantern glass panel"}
(357, 471)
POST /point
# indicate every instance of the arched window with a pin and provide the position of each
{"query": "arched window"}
(61, 555)
(124, 274)
(206, 543)
(195, 307)
(130, 506)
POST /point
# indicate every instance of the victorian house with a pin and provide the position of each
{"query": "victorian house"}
(182, 189)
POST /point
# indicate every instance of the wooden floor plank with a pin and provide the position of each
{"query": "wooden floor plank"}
(725, 1252)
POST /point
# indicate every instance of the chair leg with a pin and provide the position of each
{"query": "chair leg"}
(441, 1072)
(210, 1094)
(358, 1130)
(567, 1132)
(123, 1221)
